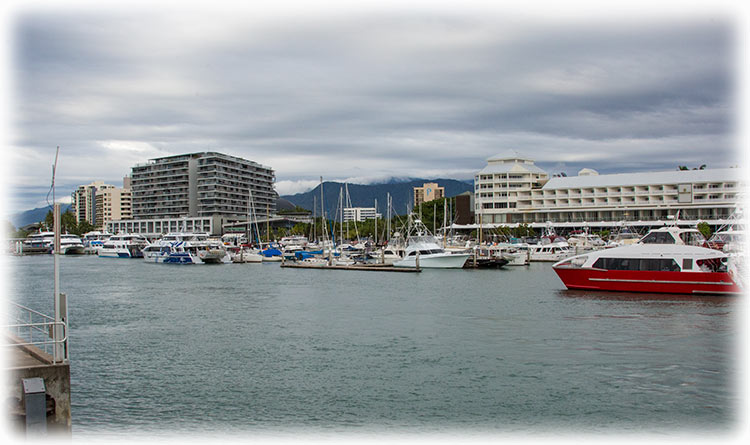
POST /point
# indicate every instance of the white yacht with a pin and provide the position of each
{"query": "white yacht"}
(71, 245)
(38, 243)
(123, 246)
(423, 250)
(186, 248)
(95, 240)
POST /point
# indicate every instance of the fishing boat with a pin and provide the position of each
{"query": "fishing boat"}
(653, 268)
(123, 245)
(422, 250)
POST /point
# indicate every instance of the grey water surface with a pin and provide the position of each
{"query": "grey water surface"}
(255, 347)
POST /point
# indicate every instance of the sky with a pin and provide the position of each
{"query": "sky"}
(368, 92)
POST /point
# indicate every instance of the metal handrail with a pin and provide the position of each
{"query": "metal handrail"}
(41, 334)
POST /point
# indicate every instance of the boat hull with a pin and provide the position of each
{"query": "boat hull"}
(172, 258)
(451, 261)
(648, 281)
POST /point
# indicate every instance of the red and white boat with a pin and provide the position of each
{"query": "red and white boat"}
(653, 268)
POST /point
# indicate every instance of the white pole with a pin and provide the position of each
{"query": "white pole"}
(58, 353)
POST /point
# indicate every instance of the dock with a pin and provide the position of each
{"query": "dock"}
(366, 267)
(24, 361)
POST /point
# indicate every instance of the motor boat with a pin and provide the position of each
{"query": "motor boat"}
(653, 268)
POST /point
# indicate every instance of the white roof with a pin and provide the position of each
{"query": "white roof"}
(509, 155)
(510, 167)
(647, 178)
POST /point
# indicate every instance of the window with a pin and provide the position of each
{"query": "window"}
(642, 264)
(658, 238)
(692, 238)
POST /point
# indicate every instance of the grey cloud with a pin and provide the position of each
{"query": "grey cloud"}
(397, 93)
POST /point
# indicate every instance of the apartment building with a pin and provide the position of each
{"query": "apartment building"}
(198, 191)
(708, 195)
(428, 192)
(98, 203)
(113, 204)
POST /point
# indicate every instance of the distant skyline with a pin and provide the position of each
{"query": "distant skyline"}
(368, 92)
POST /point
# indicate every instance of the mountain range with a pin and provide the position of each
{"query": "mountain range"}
(402, 194)
(33, 216)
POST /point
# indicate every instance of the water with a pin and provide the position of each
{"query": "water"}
(253, 347)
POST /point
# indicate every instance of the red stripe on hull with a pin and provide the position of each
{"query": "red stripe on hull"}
(648, 281)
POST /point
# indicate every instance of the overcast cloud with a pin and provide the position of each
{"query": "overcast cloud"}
(364, 94)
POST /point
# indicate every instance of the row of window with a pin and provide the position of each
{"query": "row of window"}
(659, 264)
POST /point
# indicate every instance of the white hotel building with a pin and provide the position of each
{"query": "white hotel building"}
(512, 190)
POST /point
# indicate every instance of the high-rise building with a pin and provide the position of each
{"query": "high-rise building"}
(83, 201)
(198, 192)
(98, 203)
(201, 184)
(113, 204)
(428, 192)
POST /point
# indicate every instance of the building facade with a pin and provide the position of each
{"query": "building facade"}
(83, 201)
(428, 192)
(113, 204)
(360, 213)
(499, 186)
(708, 195)
(98, 203)
(201, 184)
(199, 187)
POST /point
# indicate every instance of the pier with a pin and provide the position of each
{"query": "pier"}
(367, 267)
(23, 363)
(37, 374)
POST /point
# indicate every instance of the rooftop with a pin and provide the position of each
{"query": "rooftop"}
(646, 178)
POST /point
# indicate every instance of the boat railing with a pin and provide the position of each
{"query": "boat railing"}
(32, 328)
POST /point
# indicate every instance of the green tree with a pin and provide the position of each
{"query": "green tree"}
(83, 227)
(67, 222)
(705, 229)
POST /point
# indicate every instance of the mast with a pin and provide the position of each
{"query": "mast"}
(314, 234)
(445, 215)
(388, 214)
(268, 224)
(376, 221)
(324, 229)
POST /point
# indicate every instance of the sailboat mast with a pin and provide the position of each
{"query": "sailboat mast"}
(376, 221)
(445, 215)
(268, 223)
(341, 220)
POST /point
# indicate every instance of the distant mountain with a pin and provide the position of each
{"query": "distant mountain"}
(33, 216)
(365, 195)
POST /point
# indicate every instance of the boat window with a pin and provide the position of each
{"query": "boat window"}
(711, 265)
(687, 264)
(658, 238)
(658, 264)
(692, 238)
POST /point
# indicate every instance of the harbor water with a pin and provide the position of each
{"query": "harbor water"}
(258, 348)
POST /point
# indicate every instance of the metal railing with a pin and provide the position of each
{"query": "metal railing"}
(36, 329)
